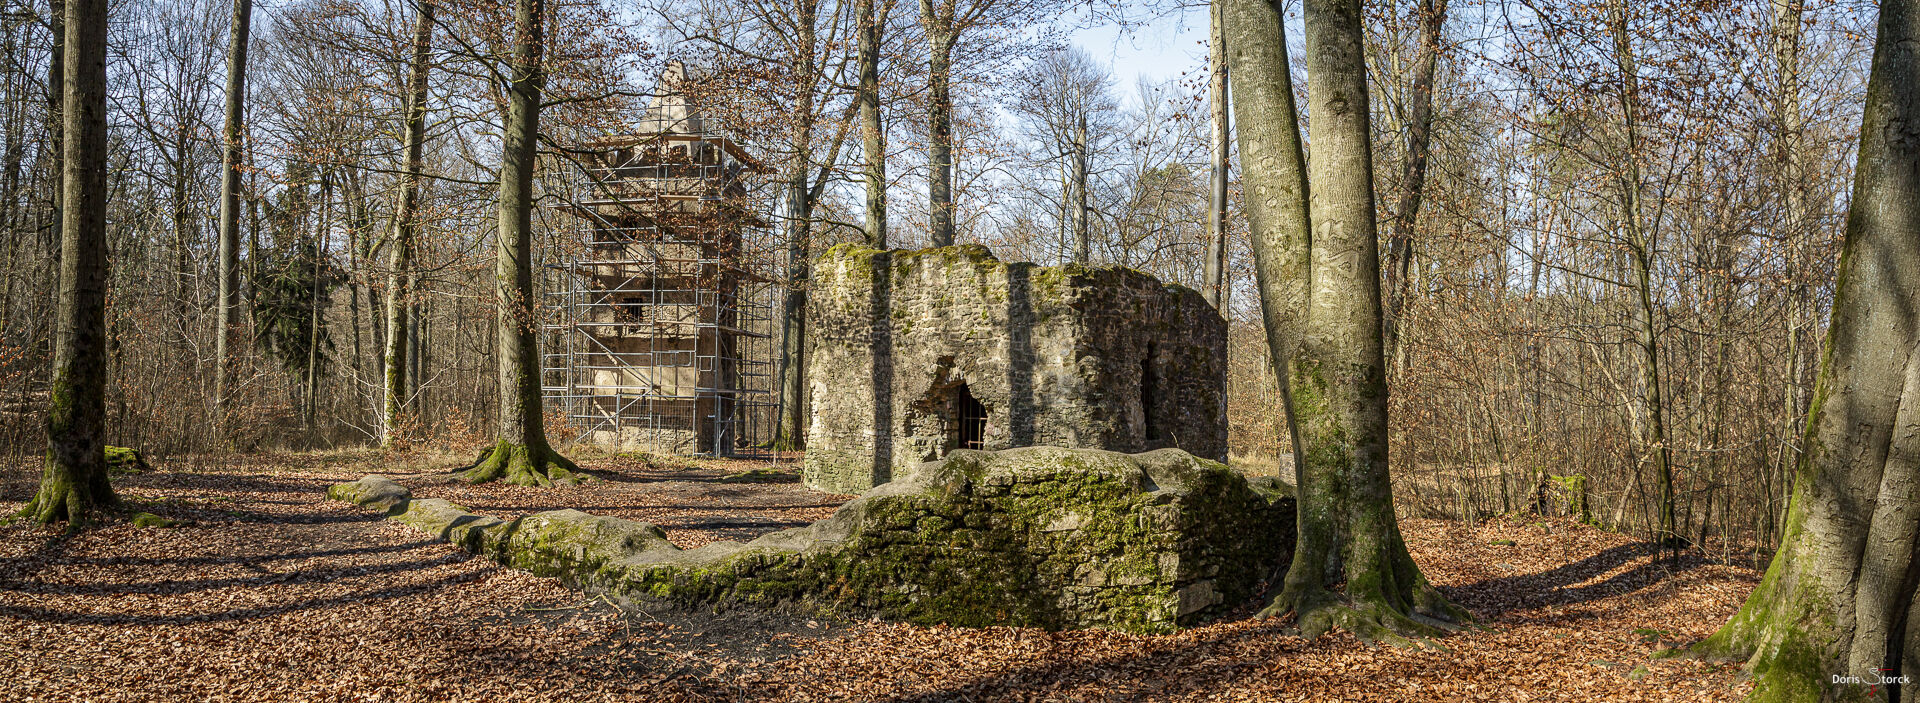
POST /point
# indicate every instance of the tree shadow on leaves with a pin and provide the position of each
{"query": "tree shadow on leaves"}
(1206, 663)
(35, 613)
(1574, 583)
(265, 578)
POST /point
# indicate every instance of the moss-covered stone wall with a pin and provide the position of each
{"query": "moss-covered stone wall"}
(1039, 536)
(1068, 356)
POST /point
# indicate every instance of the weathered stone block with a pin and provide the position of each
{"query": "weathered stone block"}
(914, 354)
(126, 460)
(376, 492)
(1066, 539)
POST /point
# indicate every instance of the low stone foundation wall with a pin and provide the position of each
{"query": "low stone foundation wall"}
(1036, 536)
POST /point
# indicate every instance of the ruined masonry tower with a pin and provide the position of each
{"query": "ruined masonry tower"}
(914, 354)
(663, 338)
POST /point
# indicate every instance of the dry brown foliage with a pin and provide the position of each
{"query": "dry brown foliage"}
(274, 593)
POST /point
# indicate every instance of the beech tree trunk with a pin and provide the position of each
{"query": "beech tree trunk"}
(406, 229)
(10, 211)
(791, 433)
(1214, 272)
(1839, 598)
(1318, 270)
(801, 196)
(229, 264)
(1433, 18)
(56, 109)
(521, 454)
(873, 135)
(938, 21)
(73, 484)
(184, 208)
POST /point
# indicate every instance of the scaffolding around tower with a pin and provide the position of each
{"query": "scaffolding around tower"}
(662, 339)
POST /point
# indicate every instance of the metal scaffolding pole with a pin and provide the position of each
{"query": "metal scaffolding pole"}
(668, 316)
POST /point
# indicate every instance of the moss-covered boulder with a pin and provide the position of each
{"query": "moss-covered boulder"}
(152, 520)
(375, 492)
(126, 460)
(1037, 536)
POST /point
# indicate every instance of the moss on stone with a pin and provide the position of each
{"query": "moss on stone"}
(374, 492)
(1039, 536)
(152, 520)
(126, 460)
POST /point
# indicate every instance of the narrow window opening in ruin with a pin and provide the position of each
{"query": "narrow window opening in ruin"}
(1149, 399)
(969, 421)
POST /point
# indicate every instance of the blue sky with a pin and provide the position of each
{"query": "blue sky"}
(1160, 50)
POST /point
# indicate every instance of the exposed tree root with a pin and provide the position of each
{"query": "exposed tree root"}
(1392, 603)
(64, 496)
(1318, 610)
(1788, 670)
(523, 465)
(1782, 643)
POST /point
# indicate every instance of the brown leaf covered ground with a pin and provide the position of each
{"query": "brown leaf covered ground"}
(274, 593)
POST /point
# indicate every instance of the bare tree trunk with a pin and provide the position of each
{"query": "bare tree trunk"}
(10, 216)
(1082, 231)
(1840, 597)
(521, 454)
(229, 264)
(1406, 213)
(1797, 391)
(356, 221)
(792, 430)
(16, 144)
(1641, 252)
(1214, 274)
(416, 343)
(873, 135)
(74, 482)
(182, 207)
(255, 225)
(56, 110)
(791, 433)
(1351, 567)
(406, 230)
(938, 20)
(1275, 173)
(315, 313)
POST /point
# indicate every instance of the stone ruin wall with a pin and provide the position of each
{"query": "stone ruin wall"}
(1036, 537)
(1069, 356)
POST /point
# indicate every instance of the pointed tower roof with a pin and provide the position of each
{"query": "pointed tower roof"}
(670, 110)
(671, 118)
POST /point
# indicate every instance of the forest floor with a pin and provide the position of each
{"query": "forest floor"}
(272, 592)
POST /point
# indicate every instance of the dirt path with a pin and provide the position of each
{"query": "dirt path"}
(696, 502)
(275, 593)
